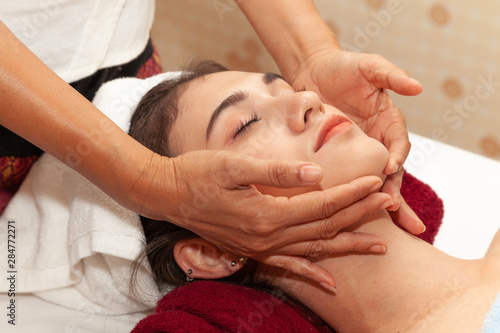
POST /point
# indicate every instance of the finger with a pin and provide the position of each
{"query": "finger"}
(312, 215)
(397, 142)
(384, 74)
(318, 205)
(302, 267)
(407, 219)
(392, 186)
(330, 226)
(305, 218)
(308, 209)
(244, 170)
(341, 243)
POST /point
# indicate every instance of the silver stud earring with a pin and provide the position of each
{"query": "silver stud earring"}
(233, 263)
(188, 278)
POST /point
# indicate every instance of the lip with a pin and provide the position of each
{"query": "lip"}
(330, 127)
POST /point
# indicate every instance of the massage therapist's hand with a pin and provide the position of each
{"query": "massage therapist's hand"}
(356, 83)
(211, 196)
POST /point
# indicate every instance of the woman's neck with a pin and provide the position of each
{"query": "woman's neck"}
(390, 292)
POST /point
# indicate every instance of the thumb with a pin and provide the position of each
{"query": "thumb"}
(403, 84)
(384, 74)
(244, 170)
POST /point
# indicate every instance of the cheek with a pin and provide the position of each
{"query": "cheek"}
(277, 146)
(273, 143)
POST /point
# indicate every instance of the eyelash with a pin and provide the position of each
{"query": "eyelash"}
(245, 125)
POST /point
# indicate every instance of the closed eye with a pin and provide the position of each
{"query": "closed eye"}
(245, 125)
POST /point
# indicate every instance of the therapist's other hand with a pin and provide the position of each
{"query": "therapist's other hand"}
(355, 83)
(211, 196)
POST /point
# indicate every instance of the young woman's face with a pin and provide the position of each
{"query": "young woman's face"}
(262, 116)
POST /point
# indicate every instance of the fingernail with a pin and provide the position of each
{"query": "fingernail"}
(395, 169)
(393, 207)
(377, 186)
(386, 204)
(378, 249)
(310, 174)
(328, 287)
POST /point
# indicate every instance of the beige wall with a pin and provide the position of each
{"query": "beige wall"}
(453, 48)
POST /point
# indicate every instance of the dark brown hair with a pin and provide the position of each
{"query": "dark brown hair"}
(157, 111)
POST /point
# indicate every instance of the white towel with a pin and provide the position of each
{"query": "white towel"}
(74, 245)
(492, 322)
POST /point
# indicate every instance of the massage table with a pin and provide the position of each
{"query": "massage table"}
(469, 185)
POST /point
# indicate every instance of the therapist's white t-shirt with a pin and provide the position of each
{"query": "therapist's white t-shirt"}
(75, 38)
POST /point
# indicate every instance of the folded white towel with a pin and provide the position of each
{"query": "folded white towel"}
(74, 245)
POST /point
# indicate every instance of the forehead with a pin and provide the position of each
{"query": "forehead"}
(198, 101)
(213, 88)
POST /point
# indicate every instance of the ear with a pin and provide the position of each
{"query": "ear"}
(204, 259)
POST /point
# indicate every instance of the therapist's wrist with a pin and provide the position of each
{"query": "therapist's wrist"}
(144, 182)
(290, 30)
(304, 45)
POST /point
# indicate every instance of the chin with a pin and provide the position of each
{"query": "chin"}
(366, 158)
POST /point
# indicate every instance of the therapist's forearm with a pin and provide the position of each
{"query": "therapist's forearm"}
(38, 105)
(290, 30)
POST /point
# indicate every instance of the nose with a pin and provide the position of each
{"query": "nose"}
(303, 106)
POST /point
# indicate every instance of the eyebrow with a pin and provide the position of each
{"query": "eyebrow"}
(269, 78)
(236, 98)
